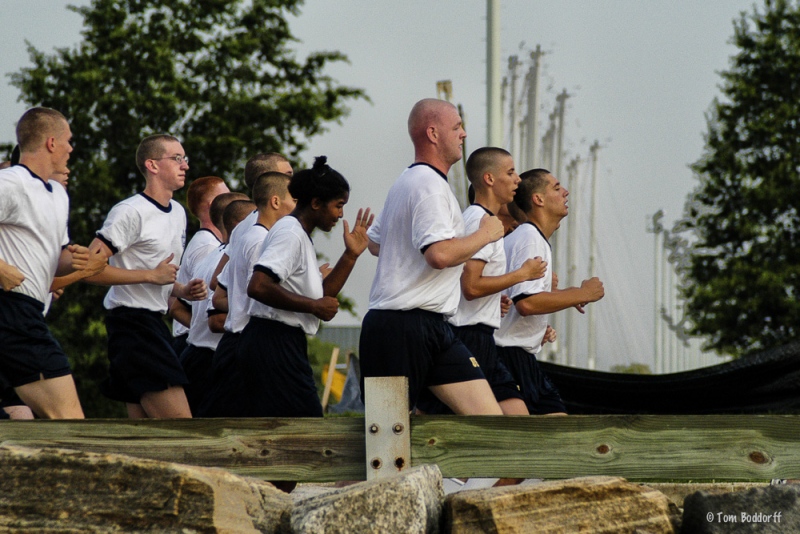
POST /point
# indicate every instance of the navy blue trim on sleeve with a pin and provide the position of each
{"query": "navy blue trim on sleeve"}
(269, 272)
(108, 243)
(522, 296)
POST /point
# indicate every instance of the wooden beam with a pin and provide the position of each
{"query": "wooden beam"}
(273, 449)
(637, 447)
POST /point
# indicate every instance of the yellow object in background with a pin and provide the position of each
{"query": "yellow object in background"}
(337, 384)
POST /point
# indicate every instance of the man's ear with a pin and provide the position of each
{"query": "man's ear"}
(316, 204)
(488, 179)
(50, 144)
(433, 135)
(537, 199)
(151, 166)
(275, 202)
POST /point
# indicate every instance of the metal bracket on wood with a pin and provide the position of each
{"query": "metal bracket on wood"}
(387, 430)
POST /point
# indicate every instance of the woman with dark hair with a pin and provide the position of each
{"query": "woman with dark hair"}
(290, 296)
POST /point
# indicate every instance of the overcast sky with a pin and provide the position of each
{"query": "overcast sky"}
(641, 74)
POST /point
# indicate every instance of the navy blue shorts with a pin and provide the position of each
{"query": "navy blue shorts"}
(179, 343)
(277, 377)
(479, 339)
(196, 362)
(140, 354)
(28, 351)
(540, 395)
(224, 396)
(415, 343)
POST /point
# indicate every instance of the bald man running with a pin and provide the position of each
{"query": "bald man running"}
(421, 247)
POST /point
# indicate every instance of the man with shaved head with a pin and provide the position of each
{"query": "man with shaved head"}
(421, 245)
(34, 247)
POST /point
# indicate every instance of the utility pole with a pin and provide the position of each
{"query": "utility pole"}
(571, 344)
(494, 107)
(532, 119)
(562, 105)
(656, 228)
(664, 265)
(548, 142)
(458, 173)
(591, 362)
(561, 101)
(513, 63)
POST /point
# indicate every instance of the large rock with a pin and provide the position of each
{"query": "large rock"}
(63, 490)
(591, 504)
(767, 509)
(678, 491)
(410, 502)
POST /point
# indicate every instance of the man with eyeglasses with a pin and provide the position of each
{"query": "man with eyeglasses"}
(144, 237)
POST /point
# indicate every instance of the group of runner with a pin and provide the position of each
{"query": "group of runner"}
(455, 306)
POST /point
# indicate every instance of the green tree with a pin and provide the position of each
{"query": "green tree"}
(743, 276)
(218, 74)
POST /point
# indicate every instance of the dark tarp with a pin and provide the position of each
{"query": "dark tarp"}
(766, 382)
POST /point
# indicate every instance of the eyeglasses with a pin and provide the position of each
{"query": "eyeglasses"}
(180, 160)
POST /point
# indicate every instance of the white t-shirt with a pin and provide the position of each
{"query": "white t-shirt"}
(200, 335)
(524, 243)
(484, 310)
(142, 233)
(235, 276)
(242, 228)
(203, 243)
(289, 253)
(420, 210)
(33, 228)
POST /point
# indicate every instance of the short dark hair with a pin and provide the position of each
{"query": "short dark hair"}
(269, 185)
(259, 164)
(235, 212)
(532, 181)
(151, 147)
(218, 205)
(198, 189)
(36, 125)
(482, 161)
(320, 182)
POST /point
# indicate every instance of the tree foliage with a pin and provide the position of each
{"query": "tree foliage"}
(218, 74)
(743, 279)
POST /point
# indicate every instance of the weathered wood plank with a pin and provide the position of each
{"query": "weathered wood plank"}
(641, 448)
(272, 449)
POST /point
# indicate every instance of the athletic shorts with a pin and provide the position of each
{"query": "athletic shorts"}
(224, 396)
(415, 343)
(28, 351)
(540, 394)
(9, 397)
(479, 339)
(140, 354)
(277, 377)
(179, 343)
(196, 363)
